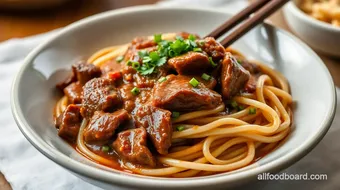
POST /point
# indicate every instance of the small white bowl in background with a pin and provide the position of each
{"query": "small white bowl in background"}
(319, 35)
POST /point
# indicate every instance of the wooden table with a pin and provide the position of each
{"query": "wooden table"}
(15, 24)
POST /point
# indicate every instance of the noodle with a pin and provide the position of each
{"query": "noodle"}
(222, 142)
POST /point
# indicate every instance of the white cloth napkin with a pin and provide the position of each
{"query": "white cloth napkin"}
(26, 168)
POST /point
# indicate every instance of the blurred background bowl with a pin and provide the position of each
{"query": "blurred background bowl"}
(321, 36)
(29, 4)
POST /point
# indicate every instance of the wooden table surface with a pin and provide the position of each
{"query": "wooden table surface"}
(21, 24)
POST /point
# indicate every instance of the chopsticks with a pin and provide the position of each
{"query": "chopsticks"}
(261, 9)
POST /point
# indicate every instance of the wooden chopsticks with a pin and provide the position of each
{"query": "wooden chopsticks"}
(261, 9)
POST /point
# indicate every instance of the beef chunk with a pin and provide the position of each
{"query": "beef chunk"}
(131, 146)
(233, 76)
(157, 123)
(143, 42)
(186, 35)
(85, 72)
(177, 94)
(250, 86)
(74, 93)
(82, 72)
(69, 122)
(211, 83)
(62, 85)
(251, 67)
(103, 125)
(99, 94)
(212, 48)
(190, 63)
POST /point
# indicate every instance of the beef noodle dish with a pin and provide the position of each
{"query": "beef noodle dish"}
(173, 105)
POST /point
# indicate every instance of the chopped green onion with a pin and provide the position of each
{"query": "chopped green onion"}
(205, 77)
(171, 53)
(119, 59)
(180, 128)
(105, 148)
(239, 108)
(202, 42)
(143, 53)
(212, 62)
(157, 38)
(252, 111)
(129, 63)
(135, 65)
(175, 114)
(192, 37)
(194, 82)
(234, 104)
(135, 91)
(239, 61)
(197, 50)
(162, 79)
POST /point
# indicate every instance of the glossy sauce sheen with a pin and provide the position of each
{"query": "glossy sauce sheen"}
(135, 126)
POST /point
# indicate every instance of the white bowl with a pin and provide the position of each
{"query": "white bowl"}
(34, 94)
(319, 35)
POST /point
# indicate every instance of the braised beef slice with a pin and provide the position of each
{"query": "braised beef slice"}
(186, 35)
(62, 85)
(85, 71)
(131, 146)
(81, 72)
(103, 125)
(74, 93)
(190, 63)
(157, 123)
(233, 76)
(99, 94)
(214, 49)
(211, 83)
(177, 94)
(250, 86)
(251, 67)
(69, 122)
(143, 42)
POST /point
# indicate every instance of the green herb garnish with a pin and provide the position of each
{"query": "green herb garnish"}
(135, 91)
(157, 38)
(194, 82)
(205, 77)
(180, 128)
(105, 148)
(162, 79)
(197, 50)
(212, 62)
(136, 65)
(120, 59)
(143, 53)
(175, 114)
(252, 111)
(234, 104)
(165, 50)
(192, 37)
